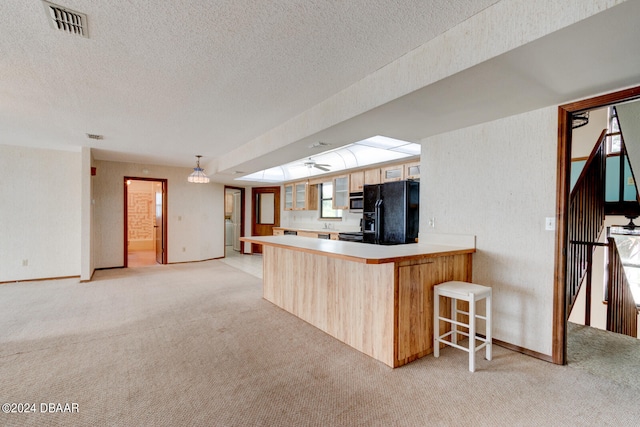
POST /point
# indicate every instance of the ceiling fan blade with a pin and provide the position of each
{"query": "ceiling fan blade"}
(322, 168)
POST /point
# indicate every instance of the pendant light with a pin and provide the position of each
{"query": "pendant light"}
(198, 176)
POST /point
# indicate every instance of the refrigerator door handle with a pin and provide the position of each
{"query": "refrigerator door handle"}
(377, 221)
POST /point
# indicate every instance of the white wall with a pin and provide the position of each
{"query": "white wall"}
(497, 181)
(195, 213)
(40, 212)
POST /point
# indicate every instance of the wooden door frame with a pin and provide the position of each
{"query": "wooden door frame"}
(253, 209)
(242, 212)
(165, 239)
(563, 190)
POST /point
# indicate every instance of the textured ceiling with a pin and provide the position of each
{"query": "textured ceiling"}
(163, 81)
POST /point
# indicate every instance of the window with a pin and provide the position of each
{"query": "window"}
(614, 137)
(326, 202)
(628, 244)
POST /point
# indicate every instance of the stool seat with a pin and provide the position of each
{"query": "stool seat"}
(455, 288)
(471, 293)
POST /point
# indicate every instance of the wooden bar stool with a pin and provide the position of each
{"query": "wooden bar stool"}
(471, 293)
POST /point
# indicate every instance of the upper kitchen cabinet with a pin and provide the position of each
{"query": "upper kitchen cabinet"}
(288, 197)
(356, 182)
(301, 199)
(392, 173)
(412, 170)
(372, 176)
(300, 196)
(341, 192)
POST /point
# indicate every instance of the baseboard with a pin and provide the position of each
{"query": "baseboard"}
(525, 351)
(195, 260)
(169, 263)
(40, 279)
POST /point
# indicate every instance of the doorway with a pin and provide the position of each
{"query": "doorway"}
(233, 220)
(145, 221)
(265, 213)
(565, 118)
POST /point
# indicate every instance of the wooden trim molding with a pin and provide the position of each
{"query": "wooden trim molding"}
(563, 168)
(523, 350)
(41, 279)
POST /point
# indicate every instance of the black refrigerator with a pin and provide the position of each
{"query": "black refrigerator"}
(391, 212)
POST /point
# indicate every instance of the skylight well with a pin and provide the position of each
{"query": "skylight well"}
(377, 149)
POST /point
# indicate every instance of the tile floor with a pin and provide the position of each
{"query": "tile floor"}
(141, 258)
(251, 264)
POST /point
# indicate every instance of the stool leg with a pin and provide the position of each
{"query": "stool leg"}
(488, 323)
(472, 333)
(454, 317)
(436, 324)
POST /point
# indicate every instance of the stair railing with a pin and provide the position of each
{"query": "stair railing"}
(590, 246)
(622, 311)
(586, 218)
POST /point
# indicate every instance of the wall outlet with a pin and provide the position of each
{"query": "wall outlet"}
(184, 249)
(432, 222)
(550, 223)
(25, 262)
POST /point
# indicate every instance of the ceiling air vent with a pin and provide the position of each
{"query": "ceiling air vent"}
(66, 20)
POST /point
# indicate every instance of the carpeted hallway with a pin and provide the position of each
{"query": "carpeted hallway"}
(195, 344)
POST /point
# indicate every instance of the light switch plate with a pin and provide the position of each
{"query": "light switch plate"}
(550, 223)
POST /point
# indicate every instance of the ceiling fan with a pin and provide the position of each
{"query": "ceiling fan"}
(312, 164)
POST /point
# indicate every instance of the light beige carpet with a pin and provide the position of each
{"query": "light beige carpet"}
(195, 344)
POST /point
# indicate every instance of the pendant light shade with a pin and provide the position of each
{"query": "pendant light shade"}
(198, 176)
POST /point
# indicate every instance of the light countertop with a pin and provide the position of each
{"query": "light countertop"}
(361, 252)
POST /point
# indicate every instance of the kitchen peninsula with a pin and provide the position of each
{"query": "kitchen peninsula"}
(376, 299)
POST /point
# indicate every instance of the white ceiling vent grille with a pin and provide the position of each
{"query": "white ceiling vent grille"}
(66, 20)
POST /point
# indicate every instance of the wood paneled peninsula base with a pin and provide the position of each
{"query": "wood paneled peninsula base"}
(376, 299)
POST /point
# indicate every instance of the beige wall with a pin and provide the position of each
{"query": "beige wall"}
(497, 181)
(40, 213)
(195, 213)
